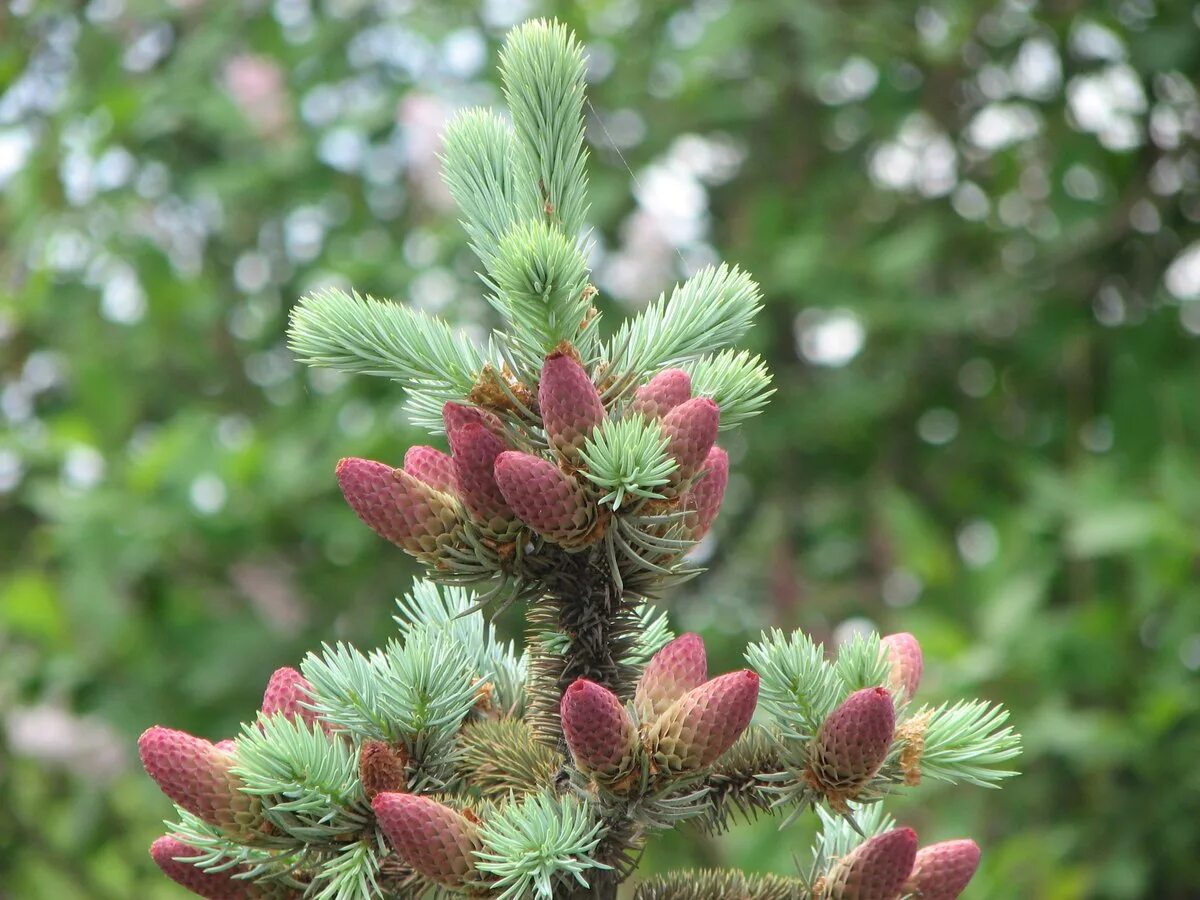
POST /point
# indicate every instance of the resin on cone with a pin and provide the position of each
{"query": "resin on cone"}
(597, 729)
(874, 870)
(196, 774)
(704, 722)
(943, 871)
(852, 743)
(435, 840)
(288, 692)
(543, 496)
(904, 656)
(674, 670)
(662, 393)
(397, 506)
(569, 403)
(691, 431)
(475, 451)
(382, 768)
(430, 465)
(168, 853)
(703, 501)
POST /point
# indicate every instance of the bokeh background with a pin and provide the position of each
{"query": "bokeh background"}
(977, 226)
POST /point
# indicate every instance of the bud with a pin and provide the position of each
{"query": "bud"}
(662, 393)
(432, 466)
(382, 768)
(543, 496)
(475, 451)
(875, 869)
(904, 656)
(704, 722)
(196, 775)
(853, 742)
(456, 416)
(167, 853)
(674, 670)
(569, 404)
(691, 430)
(287, 692)
(597, 729)
(942, 871)
(435, 840)
(397, 506)
(704, 499)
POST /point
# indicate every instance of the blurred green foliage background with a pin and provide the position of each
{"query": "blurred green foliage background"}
(977, 226)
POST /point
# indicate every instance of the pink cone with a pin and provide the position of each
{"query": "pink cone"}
(942, 871)
(853, 741)
(288, 692)
(597, 728)
(904, 656)
(435, 840)
(874, 870)
(674, 670)
(458, 415)
(544, 497)
(430, 465)
(196, 774)
(475, 451)
(704, 722)
(691, 430)
(662, 393)
(397, 506)
(704, 498)
(569, 403)
(166, 852)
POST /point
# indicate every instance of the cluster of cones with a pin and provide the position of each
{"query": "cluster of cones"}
(487, 487)
(889, 866)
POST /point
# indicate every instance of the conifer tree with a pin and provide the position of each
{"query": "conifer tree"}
(581, 469)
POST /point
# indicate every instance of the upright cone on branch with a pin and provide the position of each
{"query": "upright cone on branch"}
(543, 496)
(852, 743)
(904, 656)
(691, 430)
(430, 465)
(597, 729)
(943, 871)
(674, 670)
(397, 506)
(874, 870)
(569, 403)
(703, 501)
(475, 451)
(288, 692)
(704, 722)
(433, 839)
(382, 768)
(168, 853)
(662, 393)
(196, 774)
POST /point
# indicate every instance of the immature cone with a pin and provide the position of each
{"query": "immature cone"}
(674, 670)
(704, 722)
(704, 499)
(397, 506)
(430, 465)
(942, 871)
(195, 774)
(853, 742)
(691, 430)
(435, 840)
(874, 870)
(475, 451)
(569, 404)
(287, 692)
(904, 656)
(662, 393)
(166, 853)
(597, 729)
(544, 497)
(382, 768)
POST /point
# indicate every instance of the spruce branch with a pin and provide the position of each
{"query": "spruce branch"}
(965, 741)
(500, 757)
(720, 884)
(861, 663)
(799, 688)
(542, 70)
(713, 308)
(736, 380)
(627, 459)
